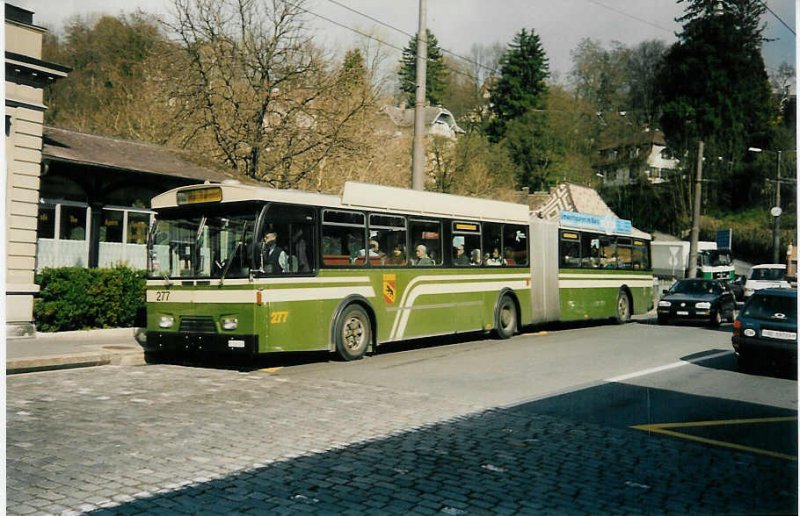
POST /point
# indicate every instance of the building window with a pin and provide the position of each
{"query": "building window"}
(111, 227)
(73, 223)
(138, 222)
(46, 226)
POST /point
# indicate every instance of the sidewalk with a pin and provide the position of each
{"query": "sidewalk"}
(71, 349)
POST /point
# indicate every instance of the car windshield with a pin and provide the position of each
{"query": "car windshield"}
(768, 274)
(695, 287)
(782, 308)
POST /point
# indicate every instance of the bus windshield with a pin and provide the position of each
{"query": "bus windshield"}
(214, 244)
(716, 258)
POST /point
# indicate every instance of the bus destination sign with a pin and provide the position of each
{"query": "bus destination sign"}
(605, 224)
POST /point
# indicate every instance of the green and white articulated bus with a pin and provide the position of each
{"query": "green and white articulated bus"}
(246, 270)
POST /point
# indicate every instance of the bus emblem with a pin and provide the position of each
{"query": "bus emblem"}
(389, 288)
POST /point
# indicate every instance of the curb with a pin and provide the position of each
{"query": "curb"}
(89, 335)
(74, 361)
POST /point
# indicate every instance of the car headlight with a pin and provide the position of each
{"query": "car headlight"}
(166, 321)
(230, 323)
(703, 305)
(664, 303)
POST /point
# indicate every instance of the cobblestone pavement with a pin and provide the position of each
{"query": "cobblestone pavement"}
(171, 440)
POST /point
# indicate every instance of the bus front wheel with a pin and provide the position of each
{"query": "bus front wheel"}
(506, 324)
(353, 333)
(623, 314)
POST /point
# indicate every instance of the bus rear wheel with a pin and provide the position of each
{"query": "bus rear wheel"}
(623, 314)
(506, 318)
(353, 333)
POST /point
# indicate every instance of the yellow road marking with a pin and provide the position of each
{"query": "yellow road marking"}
(271, 370)
(663, 429)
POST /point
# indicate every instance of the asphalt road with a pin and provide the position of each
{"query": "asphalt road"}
(602, 419)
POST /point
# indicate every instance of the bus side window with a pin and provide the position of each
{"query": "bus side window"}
(624, 253)
(608, 252)
(343, 235)
(426, 242)
(590, 251)
(515, 244)
(570, 250)
(389, 231)
(466, 244)
(492, 244)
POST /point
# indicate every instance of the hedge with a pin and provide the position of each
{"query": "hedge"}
(75, 298)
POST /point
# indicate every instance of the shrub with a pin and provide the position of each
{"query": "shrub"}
(74, 298)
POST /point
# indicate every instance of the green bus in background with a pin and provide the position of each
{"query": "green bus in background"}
(247, 270)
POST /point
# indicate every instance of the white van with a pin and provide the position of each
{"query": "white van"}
(767, 275)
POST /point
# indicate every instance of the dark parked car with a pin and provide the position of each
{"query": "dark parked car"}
(767, 328)
(737, 287)
(697, 299)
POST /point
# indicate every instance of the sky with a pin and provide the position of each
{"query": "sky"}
(458, 24)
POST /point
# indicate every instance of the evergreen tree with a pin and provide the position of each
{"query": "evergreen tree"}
(713, 87)
(435, 73)
(353, 73)
(521, 85)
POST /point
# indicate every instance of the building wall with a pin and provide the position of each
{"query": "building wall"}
(24, 122)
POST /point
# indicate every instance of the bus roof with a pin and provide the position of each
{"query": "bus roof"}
(363, 195)
(366, 197)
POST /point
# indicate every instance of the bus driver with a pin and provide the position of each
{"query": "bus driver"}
(273, 258)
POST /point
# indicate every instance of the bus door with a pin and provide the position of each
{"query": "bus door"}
(545, 299)
(284, 262)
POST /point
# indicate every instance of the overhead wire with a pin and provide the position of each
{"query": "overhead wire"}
(777, 17)
(369, 36)
(405, 33)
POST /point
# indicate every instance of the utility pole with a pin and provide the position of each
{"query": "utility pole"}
(418, 153)
(698, 188)
(776, 212)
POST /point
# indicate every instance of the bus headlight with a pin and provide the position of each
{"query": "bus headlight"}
(166, 321)
(664, 304)
(703, 305)
(230, 323)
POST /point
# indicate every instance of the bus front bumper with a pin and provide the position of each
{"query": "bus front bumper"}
(181, 342)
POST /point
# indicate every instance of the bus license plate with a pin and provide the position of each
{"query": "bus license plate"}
(783, 335)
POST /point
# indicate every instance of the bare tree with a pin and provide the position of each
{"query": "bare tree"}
(255, 93)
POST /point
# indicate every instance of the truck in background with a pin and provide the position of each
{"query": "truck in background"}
(670, 260)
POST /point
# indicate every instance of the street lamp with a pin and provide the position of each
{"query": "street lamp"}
(776, 210)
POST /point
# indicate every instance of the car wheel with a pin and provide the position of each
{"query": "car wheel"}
(716, 318)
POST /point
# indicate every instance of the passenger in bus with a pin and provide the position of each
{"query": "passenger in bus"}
(300, 251)
(422, 256)
(460, 258)
(475, 257)
(398, 256)
(495, 258)
(273, 258)
(374, 249)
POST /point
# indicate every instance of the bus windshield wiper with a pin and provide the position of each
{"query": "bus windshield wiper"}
(196, 251)
(229, 261)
